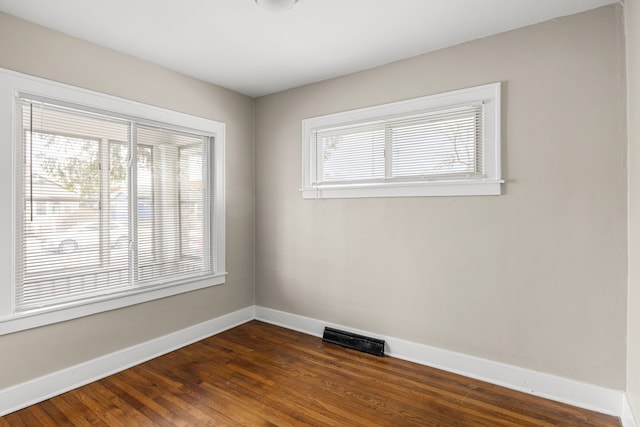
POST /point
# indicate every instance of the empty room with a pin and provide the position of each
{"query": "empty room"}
(319, 212)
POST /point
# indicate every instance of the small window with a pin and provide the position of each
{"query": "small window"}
(439, 145)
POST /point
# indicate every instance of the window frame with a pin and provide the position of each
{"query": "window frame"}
(13, 85)
(489, 184)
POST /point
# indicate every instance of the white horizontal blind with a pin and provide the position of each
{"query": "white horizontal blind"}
(443, 144)
(350, 154)
(100, 208)
(172, 194)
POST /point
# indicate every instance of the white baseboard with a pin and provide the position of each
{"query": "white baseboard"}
(627, 418)
(576, 393)
(42, 388)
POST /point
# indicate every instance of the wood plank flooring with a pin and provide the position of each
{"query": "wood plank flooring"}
(263, 375)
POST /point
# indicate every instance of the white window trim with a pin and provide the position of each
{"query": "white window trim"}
(12, 84)
(490, 184)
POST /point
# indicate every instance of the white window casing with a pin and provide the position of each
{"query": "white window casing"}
(439, 145)
(112, 202)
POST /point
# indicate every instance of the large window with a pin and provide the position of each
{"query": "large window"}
(110, 207)
(446, 144)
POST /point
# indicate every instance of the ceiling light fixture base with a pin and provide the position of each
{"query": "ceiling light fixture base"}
(276, 5)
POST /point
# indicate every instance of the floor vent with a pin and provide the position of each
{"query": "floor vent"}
(357, 342)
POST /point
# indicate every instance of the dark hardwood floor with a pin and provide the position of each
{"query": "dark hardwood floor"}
(263, 375)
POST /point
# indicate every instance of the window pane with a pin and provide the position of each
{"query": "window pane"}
(351, 156)
(63, 185)
(170, 208)
(68, 238)
(441, 147)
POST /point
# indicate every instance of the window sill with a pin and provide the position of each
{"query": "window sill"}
(413, 189)
(60, 313)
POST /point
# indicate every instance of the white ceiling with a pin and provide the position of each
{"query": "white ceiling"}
(238, 45)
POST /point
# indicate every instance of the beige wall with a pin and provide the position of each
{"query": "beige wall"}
(632, 25)
(535, 277)
(31, 49)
